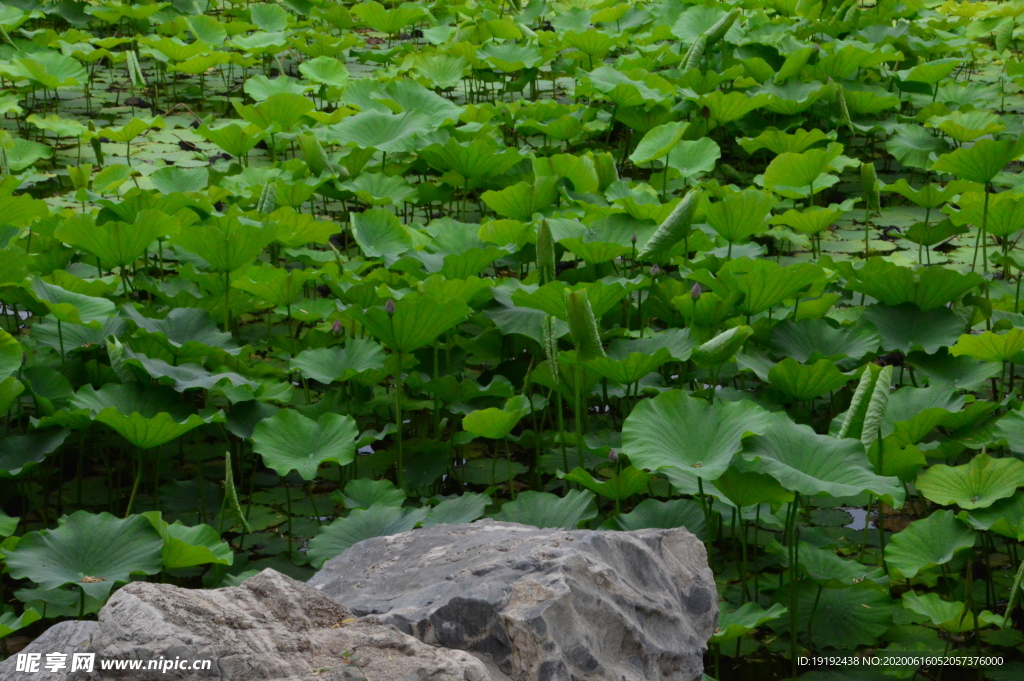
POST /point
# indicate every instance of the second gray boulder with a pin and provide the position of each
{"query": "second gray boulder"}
(541, 604)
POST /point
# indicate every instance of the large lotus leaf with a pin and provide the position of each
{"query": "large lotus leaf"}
(813, 464)
(906, 328)
(814, 220)
(360, 524)
(989, 346)
(652, 513)
(1005, 212)
(764, 284)
(979, 483)
(950, 616)
(325, 70)
(658, 142)
(382, 131)
(931, 195)
(417, 320)
(289, 441)
(261, 88)
(376, 16)
(72, 308)
(676, 431)
(278, 286)
(739, 216)
(478, 158)
(1005, 517)
(93, 552)
(50, 69)
(622, 485)
(21, 211)
(279, 112)
(145, 416)
(915, 147)
(543, 509)
(364, 493)
(185, 333)
(930, 72)
(802, 382)
(735, 623)
(844, 618)
(10, 389)
(340, 364)
(464, 508)
(495, 423)
(551, 297)
(630, 368)
(913, 413)
(798, 175)
(522, 200)
(117, 243)
(226, 243)
(928, 287)
(380, 234)
(233, 138)
(181, 377)
(927, 543)
(828, 569)
(966, 126)
(186, 547)
(727, 107)
(812, 339)
(20, 453)
(981, 162)
(693, 157)
(779, 142)
(750, 489)
(11, 355)
(634, 87)
(172, 179)
(961, 372)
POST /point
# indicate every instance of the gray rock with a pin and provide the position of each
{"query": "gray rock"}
(542, 604)
(270, 628)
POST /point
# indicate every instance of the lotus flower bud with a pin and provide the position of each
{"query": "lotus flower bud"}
(695, 292)
(336, 327)
(613, 456)
(655, 270)
(389, 307)
(632, 239)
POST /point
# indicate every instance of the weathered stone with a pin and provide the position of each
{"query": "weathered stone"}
(542, 604)
(270, 628)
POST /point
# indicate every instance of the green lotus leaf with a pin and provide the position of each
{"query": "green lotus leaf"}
(279, 287)
(145, 416)
(387, 132)
(845, 618)
(11, 355)
(340, 364)
(652, 513)
(676, 431)
(543, 509)
(721, 348)
(906, 328)
(812, 339)
(186, 547)
(981, 162)
(950, 616)
(732, 106)
(117, 244)
(739, 216)
(72, 308)
(464, 508)
(622, 485)
(779, 142)
(735, 623)
(989, 346)
(915, 147)
(802, 382)
(92, 552)
(185, 333)
(828, 569)
(812, 464)
(522, 200)
(380, 234)
(913, 413)
(289, 441)
(927, 543)
(278, 112)
(268, 17)
(226, 243)
(10, 389)
(261, 88)
(931, 195)
(977, 484)
(418, 319)
(750, 489)
(1005, 517)
(21, 453)
(800, 175)
(233, 138)
(496, 424)
(1005, 212)
(658, 142)
(360, 524)
(364, 493)
(171, 179)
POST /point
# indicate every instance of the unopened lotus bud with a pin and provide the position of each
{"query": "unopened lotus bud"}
(632, 239)
(695, 292)
(613, 456)
(389, 307)
(655, 270)
(336, 327)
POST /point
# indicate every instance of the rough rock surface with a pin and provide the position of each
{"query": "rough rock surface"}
(271, 627)
(542, 604)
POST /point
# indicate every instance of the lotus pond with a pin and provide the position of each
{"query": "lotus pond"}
(280, 277)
